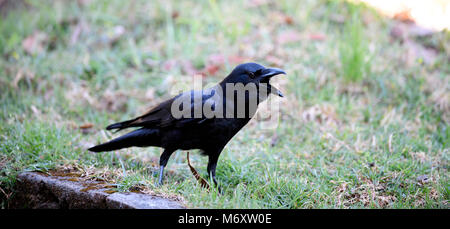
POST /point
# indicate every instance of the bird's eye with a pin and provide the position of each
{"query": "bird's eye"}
(251, 74)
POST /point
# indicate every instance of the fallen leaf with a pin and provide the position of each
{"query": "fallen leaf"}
(35, 42)
(86, 126)
(188, 68)
(237, 59)
(423, 179)
(256, 3)
(404, 16)
(169, 65)
(150, 94)
(113, 101)
(212, 69)
(20, 75)
(201, 180)
(323, 114)
(84, 2)
(317, 36)
(273, 60)
(112, 36)
(77, 31)
(288, 20)
(175, 14)
(289, 36)
(398, 33)
(416, 51)
(420, 156)
(419, 31)
(217, 59)
(403, 31)
(36, 111)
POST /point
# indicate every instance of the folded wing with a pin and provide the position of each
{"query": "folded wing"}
(161, 117)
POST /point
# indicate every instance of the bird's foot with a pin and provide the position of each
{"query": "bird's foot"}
(158, 184)
(219, 189)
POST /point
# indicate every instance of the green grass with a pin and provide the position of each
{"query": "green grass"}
(353, 49)
(358, 125)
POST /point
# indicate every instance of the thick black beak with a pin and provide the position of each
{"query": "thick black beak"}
(269, 72)
(266, 74)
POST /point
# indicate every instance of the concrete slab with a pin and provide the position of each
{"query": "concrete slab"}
(39, 190)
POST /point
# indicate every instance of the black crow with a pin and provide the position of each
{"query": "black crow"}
(204, 120)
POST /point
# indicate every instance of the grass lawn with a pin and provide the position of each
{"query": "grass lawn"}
(364, 122)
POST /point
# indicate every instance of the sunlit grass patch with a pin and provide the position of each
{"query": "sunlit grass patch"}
(353, 49)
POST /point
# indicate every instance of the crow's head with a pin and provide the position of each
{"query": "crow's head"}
(254, 73)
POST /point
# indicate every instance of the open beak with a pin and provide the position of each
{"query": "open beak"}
(275, 91)
(267, 74)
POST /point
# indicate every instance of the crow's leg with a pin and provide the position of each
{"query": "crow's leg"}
(212, 163)
(163, 162)
(161, 171)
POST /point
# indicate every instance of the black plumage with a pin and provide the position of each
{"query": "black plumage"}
(160, 127)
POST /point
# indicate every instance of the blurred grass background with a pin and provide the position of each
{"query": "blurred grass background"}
(364, 123)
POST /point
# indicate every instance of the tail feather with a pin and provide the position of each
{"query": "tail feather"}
(120, 125)
(140, 137)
